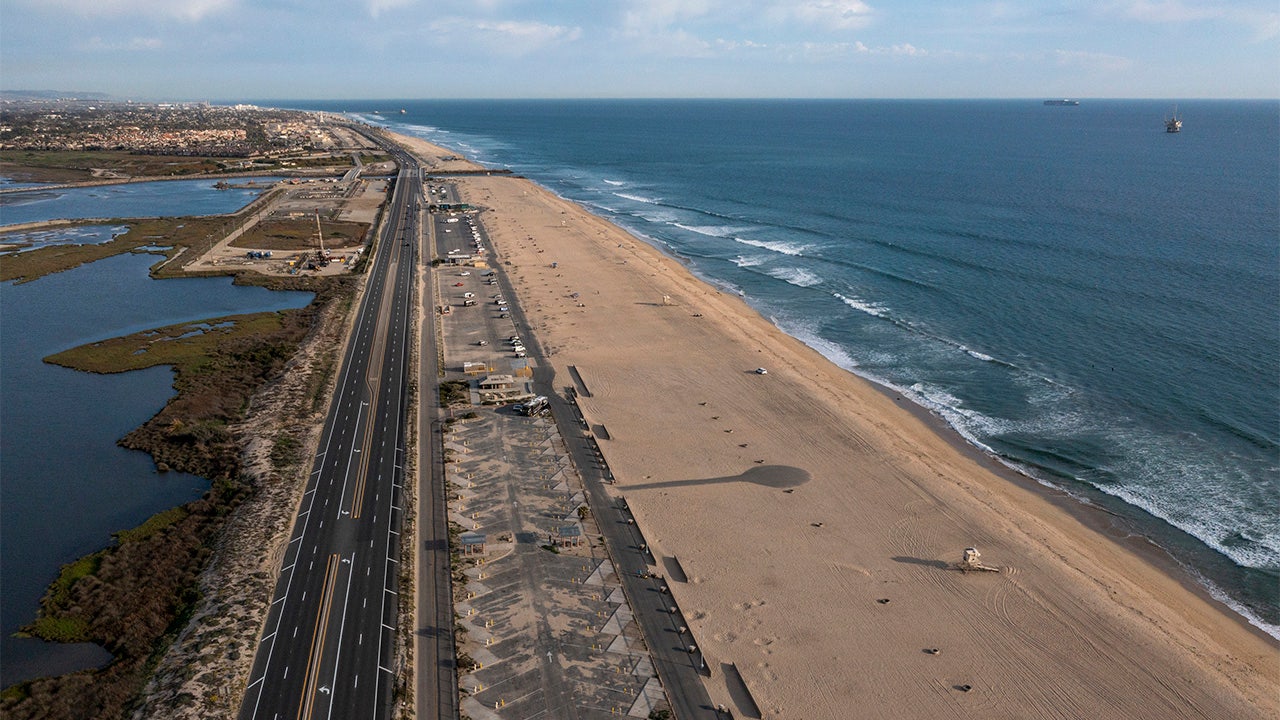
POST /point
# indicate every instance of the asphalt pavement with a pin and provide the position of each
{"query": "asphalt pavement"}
(327, 645)
(680, 671)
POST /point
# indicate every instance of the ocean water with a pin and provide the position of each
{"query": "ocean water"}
(1091, 300)
(65, 485)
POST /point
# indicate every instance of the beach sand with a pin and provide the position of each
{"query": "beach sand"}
(433, 157)
(787, 582)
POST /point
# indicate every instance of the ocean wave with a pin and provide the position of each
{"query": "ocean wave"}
(862, 306)
(807, 334)
(778, 246)
(881, 312)
(969, 422)
(615, 183)
(744, 261)
(420, 130)
(639, 198)
(1228, 514)
(981, 356)
(721, 231)
(796, 276)
(606, 208)
(658, 217)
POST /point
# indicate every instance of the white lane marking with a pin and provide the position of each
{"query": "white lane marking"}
(342, 628)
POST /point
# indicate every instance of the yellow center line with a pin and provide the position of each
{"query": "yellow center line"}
(374, 384)
(312, 678)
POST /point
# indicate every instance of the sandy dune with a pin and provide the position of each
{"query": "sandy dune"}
(787, 580)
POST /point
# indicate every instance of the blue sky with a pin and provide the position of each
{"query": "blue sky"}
(343, 49)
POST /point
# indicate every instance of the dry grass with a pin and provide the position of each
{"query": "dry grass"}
(301, 235)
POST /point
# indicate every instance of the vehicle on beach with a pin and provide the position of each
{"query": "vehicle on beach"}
(482, 343)
(761, 371)
(468, 303)
(468, 295)
(505, 315)
(464, 273)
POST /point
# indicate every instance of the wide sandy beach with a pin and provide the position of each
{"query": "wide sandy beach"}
(816, 518)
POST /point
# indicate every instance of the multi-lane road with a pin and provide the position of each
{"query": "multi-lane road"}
(328, 644)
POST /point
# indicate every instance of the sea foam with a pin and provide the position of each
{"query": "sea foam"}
(638, 198)
(796, 276)
(778, 246)
(712, 230)
(862, 306)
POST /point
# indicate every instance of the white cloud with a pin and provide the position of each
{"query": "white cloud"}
(818, 51)
(510, 37)
(905, 49)
(832, 14)
(732, 45)
(823, 51)
(644, 16)
(1263, 22)
(189, 10)
(535, 32)
(376, 7)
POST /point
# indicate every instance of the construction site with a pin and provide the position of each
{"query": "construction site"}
(313, 225)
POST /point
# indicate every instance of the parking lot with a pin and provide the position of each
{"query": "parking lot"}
(543, 627)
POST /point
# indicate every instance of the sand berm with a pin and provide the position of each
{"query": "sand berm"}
(788, 584)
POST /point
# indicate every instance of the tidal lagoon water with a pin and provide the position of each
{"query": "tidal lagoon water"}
(65, 485)
(1089, 299)
(165, 198)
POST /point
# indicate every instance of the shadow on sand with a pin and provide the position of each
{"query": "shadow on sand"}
(772, 476)
(940, 564)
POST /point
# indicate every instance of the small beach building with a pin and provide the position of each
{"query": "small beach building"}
(503, 388)
(497, 382)
(568, 536)
(472, 543)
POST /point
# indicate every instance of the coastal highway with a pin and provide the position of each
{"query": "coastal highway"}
(327, 645)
